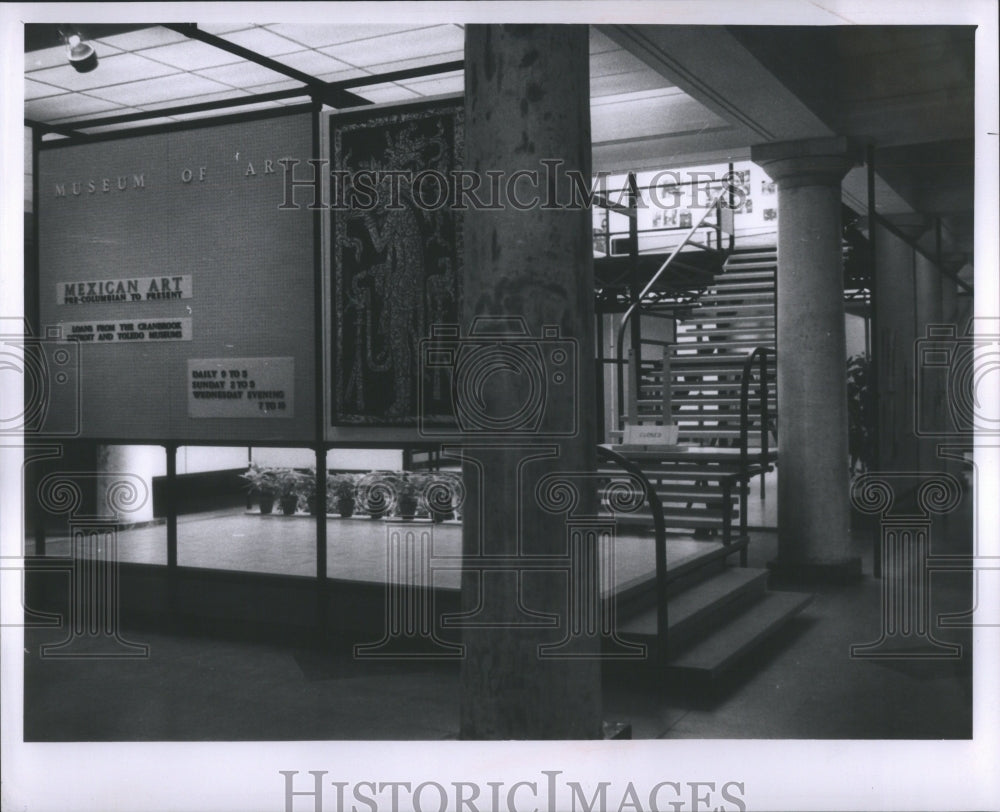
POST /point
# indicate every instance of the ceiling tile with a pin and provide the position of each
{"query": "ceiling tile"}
(316, 36)
(242, 109)
(312, 62)
(271, 87)
(38, 90)
(207, 97)
(45, 58)
(417, 44)
(144, 38)
(129, 125)
(342, 75)
(117, 111)
(57, 56)
(404, 64)
(68, 104)
(190, 55)
(453, 82)
(242, 74)
(224, 28)
(178, 87)
(262, 41)
(387, 92)
(112, 70)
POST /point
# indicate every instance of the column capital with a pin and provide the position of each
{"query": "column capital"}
(809, 162)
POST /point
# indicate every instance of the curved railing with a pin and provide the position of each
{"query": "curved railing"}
(660, 531)
(715, 206)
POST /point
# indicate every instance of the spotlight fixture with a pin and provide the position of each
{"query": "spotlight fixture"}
(82, 55)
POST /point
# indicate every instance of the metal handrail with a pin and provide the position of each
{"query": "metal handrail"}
(758, 356)
(619, 354)
(660, 531)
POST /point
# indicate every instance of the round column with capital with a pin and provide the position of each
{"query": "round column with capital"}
(813, 476)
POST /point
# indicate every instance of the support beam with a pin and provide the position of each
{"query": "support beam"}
(526, 101)
(813, 504)
(328, 94)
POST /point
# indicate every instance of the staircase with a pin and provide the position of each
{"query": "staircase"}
(717, 384)
(704, 490)
(716, 615)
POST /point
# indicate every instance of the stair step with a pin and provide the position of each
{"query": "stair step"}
(690, 354)
(765, 332)
(757, 306)
(727, 284)
(689, 611)
(712, 657)
(721, 316)
(711, 400)
(672, 521)
(726, 297)
(762, 263)
(748, 271)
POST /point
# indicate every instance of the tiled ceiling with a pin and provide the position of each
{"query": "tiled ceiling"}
(156, 68)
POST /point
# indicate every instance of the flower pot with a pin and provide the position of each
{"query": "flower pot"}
(439, 516)
(407, 507)
(345, 507)
(289, 503)
(266, 503)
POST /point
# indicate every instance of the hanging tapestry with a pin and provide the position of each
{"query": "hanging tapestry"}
(397, 252)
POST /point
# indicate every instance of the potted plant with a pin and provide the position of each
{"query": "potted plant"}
(307, 489)
(263, 483)
(340, 492)
(442, 494)
(288, 489)
(860, 414)
(408, 490)
(377, 493)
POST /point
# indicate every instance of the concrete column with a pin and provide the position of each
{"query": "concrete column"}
(527, 101)
(128, 463)
(813, 506)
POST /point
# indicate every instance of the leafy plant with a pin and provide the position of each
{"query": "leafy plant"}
(341, 486)
(289, 482)
(860, 414)
(261, 481)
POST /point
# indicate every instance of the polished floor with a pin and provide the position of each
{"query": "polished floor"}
(803, 684)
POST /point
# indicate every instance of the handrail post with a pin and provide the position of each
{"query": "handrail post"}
(660, 536)
(763, 420)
